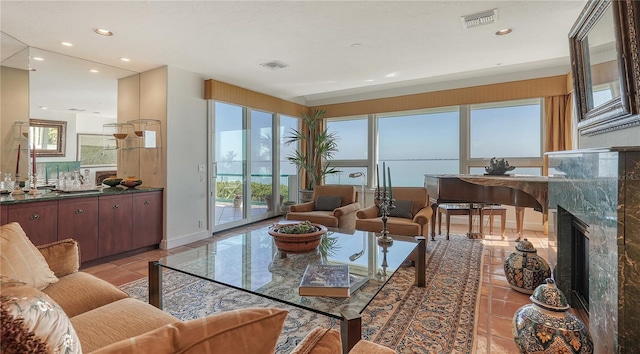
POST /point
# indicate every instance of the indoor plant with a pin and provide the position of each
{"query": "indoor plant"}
(316, 148)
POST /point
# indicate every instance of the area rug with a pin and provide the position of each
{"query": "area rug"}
(438, 318)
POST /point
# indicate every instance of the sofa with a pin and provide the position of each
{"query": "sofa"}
(49, 306)
(410, 217)
(332, 206)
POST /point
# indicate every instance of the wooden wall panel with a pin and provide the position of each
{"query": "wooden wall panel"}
(542, 87)
(220, 91)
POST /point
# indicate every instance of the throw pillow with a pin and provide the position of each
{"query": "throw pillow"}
(21, 260)
(328, 203)
(250, 330)
(402, 210)
(63, 257)
(32, 322)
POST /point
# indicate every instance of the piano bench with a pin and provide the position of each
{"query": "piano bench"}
(463, 209)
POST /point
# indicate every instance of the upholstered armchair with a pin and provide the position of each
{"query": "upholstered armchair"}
(410, 217)
(332, 206)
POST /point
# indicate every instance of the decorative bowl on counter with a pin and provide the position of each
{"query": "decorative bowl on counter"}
(131, 182)
(112, 181)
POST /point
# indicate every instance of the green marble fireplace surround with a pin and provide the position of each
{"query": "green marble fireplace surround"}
(600, 188)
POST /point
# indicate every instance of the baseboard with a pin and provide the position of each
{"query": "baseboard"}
(184, 239)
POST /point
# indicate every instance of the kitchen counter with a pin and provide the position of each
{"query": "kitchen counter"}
(46, 194)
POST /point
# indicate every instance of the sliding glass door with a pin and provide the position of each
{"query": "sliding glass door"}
(245, 175)
(229, 165)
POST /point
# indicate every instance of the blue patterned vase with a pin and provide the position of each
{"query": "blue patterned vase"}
(525, 270)
(546, 326)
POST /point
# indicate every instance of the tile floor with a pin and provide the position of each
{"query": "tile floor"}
(498, 302)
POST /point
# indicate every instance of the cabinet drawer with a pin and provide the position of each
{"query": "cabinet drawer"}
(78, 219)
(38, 220)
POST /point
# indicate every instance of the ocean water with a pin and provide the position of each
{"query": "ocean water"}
(404, 173)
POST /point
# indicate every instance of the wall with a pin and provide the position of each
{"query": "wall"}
(186, 146)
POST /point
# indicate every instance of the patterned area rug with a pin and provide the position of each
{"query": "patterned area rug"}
(439, 318)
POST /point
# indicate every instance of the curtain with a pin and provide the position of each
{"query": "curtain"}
(558, 112)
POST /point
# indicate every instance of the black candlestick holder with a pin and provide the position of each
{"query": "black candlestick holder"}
(385, 203)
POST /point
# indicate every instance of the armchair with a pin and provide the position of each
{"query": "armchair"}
(332, 206)
(410, 217)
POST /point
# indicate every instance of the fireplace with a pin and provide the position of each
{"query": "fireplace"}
(594, 202)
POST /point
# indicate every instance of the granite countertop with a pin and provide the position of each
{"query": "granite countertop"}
(49, 195)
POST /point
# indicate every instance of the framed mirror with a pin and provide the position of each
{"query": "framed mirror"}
(48, 137)
(604, 58)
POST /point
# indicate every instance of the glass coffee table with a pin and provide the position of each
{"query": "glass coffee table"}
(251, 262)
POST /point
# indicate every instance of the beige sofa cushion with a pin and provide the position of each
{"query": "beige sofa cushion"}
(95, 293)
(21, 260)
(32, 322)
(63, 257)
(117, 321)
(245, 331)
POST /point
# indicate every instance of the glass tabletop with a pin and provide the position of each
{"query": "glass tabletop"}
(251, 262)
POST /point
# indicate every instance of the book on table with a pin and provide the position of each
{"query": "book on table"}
(332, 280)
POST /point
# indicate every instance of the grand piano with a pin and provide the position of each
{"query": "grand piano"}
(517, 190)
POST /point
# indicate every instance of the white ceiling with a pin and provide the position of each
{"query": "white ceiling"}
(335, 50)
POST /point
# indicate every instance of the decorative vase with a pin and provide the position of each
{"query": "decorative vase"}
(525, 270)
(546, 326)
(297, 243)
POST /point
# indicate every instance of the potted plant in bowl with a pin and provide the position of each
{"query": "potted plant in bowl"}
(317, 147)
(297, 237)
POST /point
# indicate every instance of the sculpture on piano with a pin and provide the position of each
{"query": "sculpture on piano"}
(498, 167)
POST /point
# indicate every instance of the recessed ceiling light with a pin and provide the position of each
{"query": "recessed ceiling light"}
(393, 74)
(38, 58)
(67, 44)
(43, 107)
(369, 80)
(103, 32)
(93, 70)
(504, 31)
(355, 45)
(125, 59)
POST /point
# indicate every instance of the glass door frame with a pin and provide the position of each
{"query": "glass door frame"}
(246, 178)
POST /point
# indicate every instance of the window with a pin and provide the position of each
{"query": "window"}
(511, 130)
(416, 144)
(353, 149)
(352, 138)
(505, 129)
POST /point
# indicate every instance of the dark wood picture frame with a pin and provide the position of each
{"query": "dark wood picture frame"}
(621, 112)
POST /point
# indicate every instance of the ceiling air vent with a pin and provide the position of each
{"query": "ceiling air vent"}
(480, 19)
(274, 65)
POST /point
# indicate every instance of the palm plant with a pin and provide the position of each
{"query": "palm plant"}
(320, 146)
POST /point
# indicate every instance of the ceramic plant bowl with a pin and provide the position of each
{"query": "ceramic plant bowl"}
(131, 182)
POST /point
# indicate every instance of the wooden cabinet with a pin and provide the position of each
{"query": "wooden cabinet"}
(103, 225)
(78, 219)
(38, 220)
(116, 215)
(147, 219)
